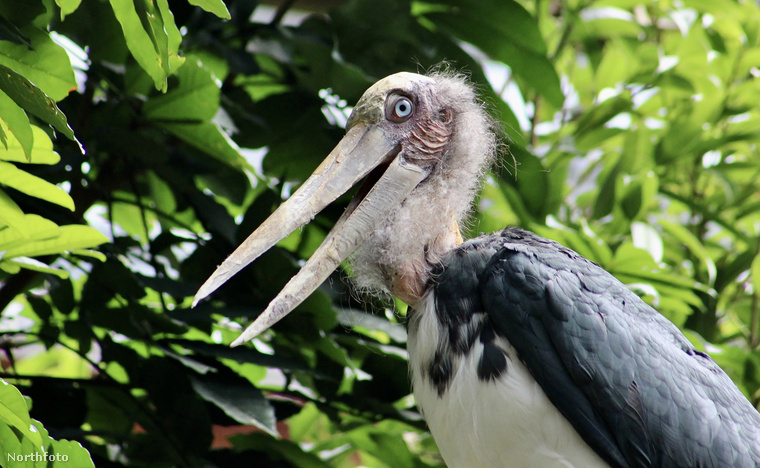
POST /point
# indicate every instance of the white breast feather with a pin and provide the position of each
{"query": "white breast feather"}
(505, 423)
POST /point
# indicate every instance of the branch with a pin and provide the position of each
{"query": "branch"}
(281, 10)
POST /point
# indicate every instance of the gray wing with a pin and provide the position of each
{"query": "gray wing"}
(626, 378)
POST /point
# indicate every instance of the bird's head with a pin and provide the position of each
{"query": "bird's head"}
(420, 144)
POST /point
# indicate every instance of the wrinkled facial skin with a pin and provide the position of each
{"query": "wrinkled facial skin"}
(403, 105)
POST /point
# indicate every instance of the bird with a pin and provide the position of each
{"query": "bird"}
(522, 353)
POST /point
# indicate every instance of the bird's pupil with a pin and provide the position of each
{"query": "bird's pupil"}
(402, 109)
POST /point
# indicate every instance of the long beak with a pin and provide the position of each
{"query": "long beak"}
(364, 148)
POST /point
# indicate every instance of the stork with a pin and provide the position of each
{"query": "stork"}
(522, 353)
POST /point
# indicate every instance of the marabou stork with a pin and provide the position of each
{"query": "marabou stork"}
(522, 352)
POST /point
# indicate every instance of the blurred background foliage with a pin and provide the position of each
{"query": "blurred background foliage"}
(141, 140)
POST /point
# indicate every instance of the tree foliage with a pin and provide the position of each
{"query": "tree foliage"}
(141, 140)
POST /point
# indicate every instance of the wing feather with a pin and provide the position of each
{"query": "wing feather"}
(626, 378)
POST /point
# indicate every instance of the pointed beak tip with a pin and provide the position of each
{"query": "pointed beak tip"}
(237, 342)
(200, 295)
(247, 335)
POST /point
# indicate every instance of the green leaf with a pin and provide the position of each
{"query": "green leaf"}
(211, 139)
(174, 37)
(28, 228)
(585, 242)
(632, 200)
(507, 32)
(243, 354)
(755, 274)
(187, 110)
(41, 151)
(10, 214)
(356, 318)
(13, 177)
(631, 258)
(601, 113)
(606, 22)
(691, 242)
(507, 20)
(532, 180)
(32, 99)
(239, 399)
(645, 237)
(46, 64)
(10, 443)
(14, 121)
(159, 23)
(67, 7)
(89, 253)
(196, 97)
(75, 454)
(71, 237)
(216, 7)
(606, 198)
(32, 264)
(14, 412)
(141, 44)
(22, 13)
(494, 212)
(153, 23)
(292, 453)
(658, 278)
(11, 32)
(617, 65)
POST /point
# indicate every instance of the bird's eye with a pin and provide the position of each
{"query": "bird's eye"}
(400, 109)
(403, 108)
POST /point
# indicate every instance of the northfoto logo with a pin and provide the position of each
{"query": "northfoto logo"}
(36, 457)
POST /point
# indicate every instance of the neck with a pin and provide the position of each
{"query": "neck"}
(398, 257)
(409, 282)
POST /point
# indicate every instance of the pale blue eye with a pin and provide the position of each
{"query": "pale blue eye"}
(403, 108)
(398, 108)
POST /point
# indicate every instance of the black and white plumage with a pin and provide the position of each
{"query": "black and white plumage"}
(522, 353)
(628, 381)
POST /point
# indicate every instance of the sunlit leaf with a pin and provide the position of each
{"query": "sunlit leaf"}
(41, 150)
(11, 176)
(14, 412)
(71, 237)
(35, 265)
(216, 7)
(141, 44)
(75, 454)
(67, 7)
(16, 123)
(88, 253)
(174, 37)
(10, 213)
(209, 138)
(195, 99)
(45, 64)
(32, 99)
